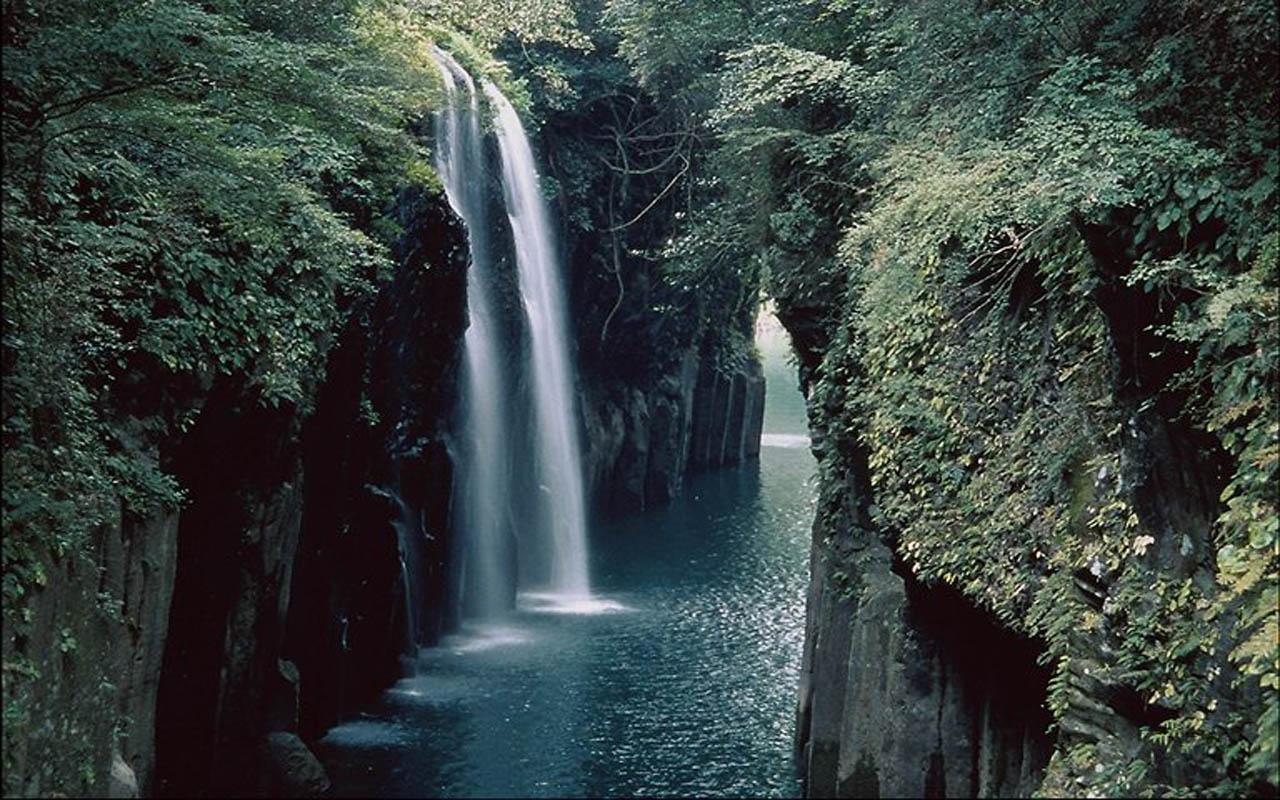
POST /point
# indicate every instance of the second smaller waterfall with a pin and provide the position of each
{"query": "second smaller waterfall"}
(483, 472)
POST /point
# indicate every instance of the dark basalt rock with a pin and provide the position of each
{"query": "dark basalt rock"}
(905, 690)
(640, 442)
(292, 769)
(140, 558)
(241, 467)
(253, 521)
(121, 782)
(910, 690)
(369, 467)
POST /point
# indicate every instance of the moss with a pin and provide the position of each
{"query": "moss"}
(60, 720)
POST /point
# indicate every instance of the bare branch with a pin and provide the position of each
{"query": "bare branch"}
(670, 185)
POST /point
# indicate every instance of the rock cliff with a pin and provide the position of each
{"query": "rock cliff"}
(227, 635)
(253, 650)
(642, 441)
(907, 690)
(912, 684)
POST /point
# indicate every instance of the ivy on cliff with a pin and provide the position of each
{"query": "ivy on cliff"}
(1041, 242)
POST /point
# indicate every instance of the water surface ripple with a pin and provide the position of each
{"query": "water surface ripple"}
(678, 681)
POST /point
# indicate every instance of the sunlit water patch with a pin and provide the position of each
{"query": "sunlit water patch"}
(368, 732)
(476, 637)
(789, 440)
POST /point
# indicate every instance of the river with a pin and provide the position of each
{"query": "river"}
(679, 681)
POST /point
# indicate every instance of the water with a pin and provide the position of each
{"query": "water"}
(559, 466)
(785, 420)
(676, 679)
(409, 538)
(482, 462)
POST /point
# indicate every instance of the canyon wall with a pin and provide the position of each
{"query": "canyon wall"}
(643, 440)
(906, 690)
(191, 650)
(920, 678)
(100, 625)
(229, 633)
(288, 604)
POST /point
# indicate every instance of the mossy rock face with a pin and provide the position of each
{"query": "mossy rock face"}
(79, 683)
(59, 714)
(291, 769)
(121, 782)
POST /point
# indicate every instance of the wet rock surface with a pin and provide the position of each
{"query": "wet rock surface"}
(255, 519)
(641, 442)
(292, 770)
(121, 782)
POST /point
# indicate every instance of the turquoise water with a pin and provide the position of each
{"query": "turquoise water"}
(680, 680)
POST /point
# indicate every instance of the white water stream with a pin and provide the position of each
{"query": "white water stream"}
(483, 467)
(551, 536)
(557, 457)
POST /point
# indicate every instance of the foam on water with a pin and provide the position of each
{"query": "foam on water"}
(475, 638)
(368, 733)
(554, 603)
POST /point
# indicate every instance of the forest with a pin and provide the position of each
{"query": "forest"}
(385, 407)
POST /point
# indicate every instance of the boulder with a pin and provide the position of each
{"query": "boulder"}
(292, 769)
(283, 691)
(121, 782)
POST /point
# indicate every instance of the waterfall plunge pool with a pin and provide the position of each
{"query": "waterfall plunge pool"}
(679, 680)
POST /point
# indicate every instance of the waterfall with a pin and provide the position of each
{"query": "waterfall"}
(408, 533)
(558, 462)
(552, 537)
(483, 475)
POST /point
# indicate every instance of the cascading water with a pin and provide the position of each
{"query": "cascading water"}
(408, 534)
(557, 456)
(557, 531)
(483, 471)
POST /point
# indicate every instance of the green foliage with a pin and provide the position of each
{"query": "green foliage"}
(487, 22)
(972, 197)
(190, 193)
(193, 194)
(621, 165)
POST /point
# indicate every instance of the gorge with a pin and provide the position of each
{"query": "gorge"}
(641, 398)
